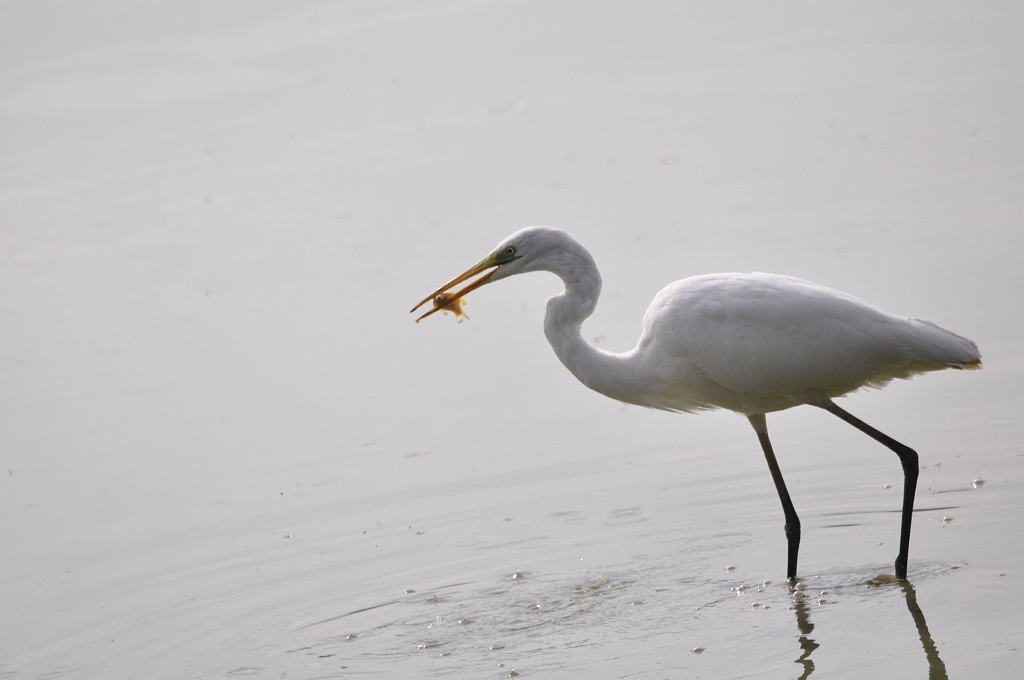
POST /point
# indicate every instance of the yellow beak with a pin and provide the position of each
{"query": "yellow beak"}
(478, 268)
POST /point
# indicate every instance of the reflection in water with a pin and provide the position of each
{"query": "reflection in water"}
(803, 623)
(936, 669)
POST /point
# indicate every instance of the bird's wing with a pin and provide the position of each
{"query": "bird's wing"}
(770, 335)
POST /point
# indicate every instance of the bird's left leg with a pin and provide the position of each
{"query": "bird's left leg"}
(792, 521)
(908, 457)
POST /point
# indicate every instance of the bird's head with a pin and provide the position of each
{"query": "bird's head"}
(527, 250)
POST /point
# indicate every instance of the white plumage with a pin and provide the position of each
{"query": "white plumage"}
(757, 343)
(751, 343)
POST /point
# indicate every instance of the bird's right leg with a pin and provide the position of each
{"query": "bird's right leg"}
(792, 521)
(909, 461)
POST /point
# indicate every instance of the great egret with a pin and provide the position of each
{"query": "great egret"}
(750, 343)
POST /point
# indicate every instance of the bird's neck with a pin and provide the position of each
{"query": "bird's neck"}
(599, 370)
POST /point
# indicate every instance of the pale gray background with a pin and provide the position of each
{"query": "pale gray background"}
(220, 425)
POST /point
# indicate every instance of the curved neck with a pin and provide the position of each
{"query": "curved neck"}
(599, 370)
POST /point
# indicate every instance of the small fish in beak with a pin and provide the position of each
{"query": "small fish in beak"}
(449, 304)
(452, 302)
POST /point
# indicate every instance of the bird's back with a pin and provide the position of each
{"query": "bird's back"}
(762, 342)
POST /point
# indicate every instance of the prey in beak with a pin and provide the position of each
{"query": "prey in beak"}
(452, 302)
(449, 304)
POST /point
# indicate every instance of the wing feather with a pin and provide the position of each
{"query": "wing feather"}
(776, 336)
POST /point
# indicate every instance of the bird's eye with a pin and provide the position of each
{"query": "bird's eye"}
(511, 250)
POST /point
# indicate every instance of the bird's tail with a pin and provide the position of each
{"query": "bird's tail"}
(933, 347)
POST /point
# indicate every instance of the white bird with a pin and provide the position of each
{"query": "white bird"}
(750, 343)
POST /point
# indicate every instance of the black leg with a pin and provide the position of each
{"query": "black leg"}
(908, 457)
(792, 521)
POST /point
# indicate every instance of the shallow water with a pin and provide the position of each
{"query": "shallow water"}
(230, 452)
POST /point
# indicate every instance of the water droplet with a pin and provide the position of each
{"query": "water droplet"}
(730, 568)
(822, 601)
(978, 483)
(409, 591)
(350, 636)
(512, 673)
(697, 650)
(428, 645)
(517, 576)
(887, 486)
(947, 519)
(755, 605)
(494, 647)
(465, 621)
(245, 670)
(766, 584)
